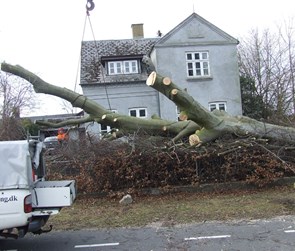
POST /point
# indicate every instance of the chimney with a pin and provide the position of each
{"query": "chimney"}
(137, 31)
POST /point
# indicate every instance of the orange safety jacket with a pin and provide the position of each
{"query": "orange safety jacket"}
(61, 137)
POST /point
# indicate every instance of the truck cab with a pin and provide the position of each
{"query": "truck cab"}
(27, 199)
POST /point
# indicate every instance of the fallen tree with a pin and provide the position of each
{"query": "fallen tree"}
(197, 123)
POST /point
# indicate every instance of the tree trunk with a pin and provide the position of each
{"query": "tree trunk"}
(217, 123)
(198, 123)
(98, 113)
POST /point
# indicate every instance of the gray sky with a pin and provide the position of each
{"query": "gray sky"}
(44, 36)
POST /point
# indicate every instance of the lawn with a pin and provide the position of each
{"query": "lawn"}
(175, 208)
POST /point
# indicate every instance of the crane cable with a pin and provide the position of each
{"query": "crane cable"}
(89, 7)
(78, 65)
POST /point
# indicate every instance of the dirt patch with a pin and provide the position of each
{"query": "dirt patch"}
(177, 208)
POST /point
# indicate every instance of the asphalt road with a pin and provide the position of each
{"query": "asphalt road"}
(262, 235)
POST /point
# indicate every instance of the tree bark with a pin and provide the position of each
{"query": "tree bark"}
(189, 107)
(217, 123)
(97, 112)
(198, 123)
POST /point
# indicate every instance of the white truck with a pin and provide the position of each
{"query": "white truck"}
(27, 199)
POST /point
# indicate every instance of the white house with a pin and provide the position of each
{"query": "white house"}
(196, 55)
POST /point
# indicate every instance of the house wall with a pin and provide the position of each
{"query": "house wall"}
(168, 55)
(197, 34)
(223, 85)
(122, 97)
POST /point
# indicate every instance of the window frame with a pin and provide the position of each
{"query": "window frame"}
(125, 67)
(217, 106)
(197, 64)
(138, 110)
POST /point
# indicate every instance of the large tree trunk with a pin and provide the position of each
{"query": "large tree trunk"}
(215, 124)
(100, 114)
(198, 123)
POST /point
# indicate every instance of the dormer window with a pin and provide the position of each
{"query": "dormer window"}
(123, 67)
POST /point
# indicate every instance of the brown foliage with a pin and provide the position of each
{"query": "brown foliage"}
(152, 163)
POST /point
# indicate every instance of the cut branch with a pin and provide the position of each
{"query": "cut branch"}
(203, 125)
(65, 123)
(215, 123)
(194, 110)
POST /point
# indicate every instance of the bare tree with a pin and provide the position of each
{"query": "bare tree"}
(287, 34)
(15, 94)
(268, 59)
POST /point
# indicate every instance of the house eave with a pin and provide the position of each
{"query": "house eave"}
(122, 57)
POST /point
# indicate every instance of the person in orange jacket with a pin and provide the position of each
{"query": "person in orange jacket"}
(61, 135)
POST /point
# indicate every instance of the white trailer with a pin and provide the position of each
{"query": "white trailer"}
(27, 199)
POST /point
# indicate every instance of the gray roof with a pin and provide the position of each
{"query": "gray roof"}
(93, 51)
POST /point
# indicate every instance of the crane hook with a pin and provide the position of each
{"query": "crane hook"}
(89, 6)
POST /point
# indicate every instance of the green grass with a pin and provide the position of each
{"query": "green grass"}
(178, 208)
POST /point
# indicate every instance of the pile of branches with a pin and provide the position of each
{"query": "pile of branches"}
(152, 162)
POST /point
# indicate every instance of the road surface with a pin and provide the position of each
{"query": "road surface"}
(261, 235)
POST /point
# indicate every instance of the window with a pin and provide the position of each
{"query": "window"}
(115, 68)
(138, 112)
(123, 67)
(197, 64)
(217, 106)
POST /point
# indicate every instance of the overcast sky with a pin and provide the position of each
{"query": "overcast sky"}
(44, 36)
